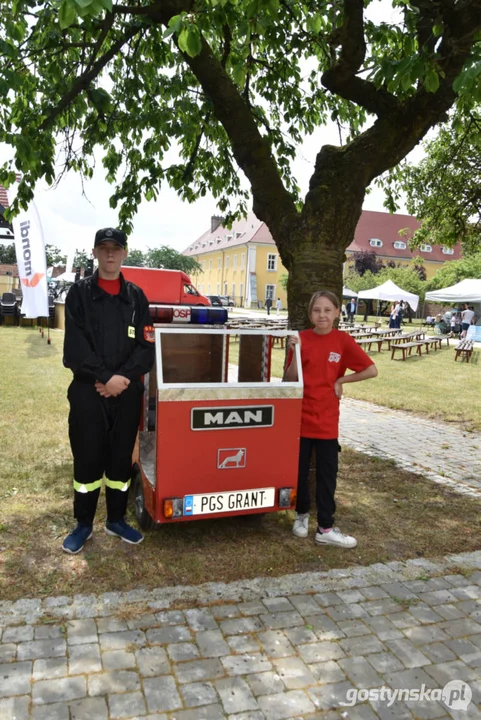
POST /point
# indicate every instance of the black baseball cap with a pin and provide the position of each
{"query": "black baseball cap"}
(116, 236)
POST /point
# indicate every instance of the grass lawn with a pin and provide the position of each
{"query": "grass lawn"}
(394, 514)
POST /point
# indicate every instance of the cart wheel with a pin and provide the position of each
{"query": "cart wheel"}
(143, 518)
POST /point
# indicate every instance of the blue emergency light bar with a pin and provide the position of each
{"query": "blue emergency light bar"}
(186, 315)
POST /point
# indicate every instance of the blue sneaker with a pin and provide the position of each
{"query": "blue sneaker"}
(75, 542)
(124, 531)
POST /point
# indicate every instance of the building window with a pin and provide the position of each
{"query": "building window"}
(227, 262)
(272, 262)
(225, 289)
(233, 290)
(210, 264)
(375, 242)
(208, 289)
(241, 292)
(243, 261)
(234, 262)
(219, 263)
(425, 248)
(400, 245)
(218, 288)
(270, 292)
(448, 251)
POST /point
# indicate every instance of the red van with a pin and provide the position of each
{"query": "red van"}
(165, 287)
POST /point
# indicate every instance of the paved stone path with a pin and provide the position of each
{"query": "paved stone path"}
(300, 646)
(436, 450)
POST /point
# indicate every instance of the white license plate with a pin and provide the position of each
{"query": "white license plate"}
(236, 501)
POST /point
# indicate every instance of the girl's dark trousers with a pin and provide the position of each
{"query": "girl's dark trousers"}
(327, 461)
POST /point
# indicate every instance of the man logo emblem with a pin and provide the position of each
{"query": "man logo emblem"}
(225, 418)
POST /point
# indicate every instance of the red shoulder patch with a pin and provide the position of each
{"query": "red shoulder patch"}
(149, 335)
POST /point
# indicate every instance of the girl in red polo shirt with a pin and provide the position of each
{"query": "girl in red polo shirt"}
(326, 354)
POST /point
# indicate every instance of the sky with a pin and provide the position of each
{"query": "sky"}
(71, 213)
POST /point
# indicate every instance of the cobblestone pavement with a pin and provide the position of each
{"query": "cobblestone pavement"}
(300, 646)
(437, 450)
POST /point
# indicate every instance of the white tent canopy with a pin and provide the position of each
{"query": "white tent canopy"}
(348, 293)
(389, 291)
(465, 291)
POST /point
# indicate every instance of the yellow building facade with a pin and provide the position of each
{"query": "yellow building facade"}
(242, 262)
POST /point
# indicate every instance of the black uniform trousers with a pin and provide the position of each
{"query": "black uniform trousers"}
(327, 463)
(102, 434)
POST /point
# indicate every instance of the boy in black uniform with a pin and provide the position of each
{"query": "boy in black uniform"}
(108, 346)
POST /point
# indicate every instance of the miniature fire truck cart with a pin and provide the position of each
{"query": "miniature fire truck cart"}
(219, 435)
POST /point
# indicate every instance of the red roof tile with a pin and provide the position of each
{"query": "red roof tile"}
(249, 229)
(386, 227)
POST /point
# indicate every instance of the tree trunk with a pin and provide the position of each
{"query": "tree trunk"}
(317, 265)
(312, 245)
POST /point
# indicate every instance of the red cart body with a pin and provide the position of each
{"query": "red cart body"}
(219, 437)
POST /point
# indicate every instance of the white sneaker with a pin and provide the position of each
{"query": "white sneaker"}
(301, 525)
(335, 537)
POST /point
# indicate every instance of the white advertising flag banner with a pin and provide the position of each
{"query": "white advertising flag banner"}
(31, 261)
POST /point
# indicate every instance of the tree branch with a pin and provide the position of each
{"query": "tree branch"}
(105, 27)
(189, 168)
(428, 13)
(341, 78)
(227, 45)
(92, 71)
(250, 149)
(395, 134)
(462, 22)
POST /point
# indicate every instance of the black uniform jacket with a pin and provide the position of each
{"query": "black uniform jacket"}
(107, 334)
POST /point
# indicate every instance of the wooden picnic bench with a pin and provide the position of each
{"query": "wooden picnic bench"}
(406, 349)
(391, 331)
(369, 341)
(433, 342)
(464, 349)
(418, 334)
(408, 337)
(440, 338)
(399, 339)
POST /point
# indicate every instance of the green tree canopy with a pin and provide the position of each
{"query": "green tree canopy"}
(163, 257)
(81, 258)
(136, 258)
(7, 254)
(168, 258)
(406, 277)
(444, 190)
(232, 84)
(455, 271)
(54, 255)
